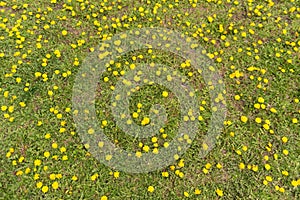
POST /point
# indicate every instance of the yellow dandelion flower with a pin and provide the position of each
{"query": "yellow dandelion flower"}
(64, 32)
(165, 174)
(55, 185)
(74, 178)
(165, 94)
(37, 162)
(47, 154)
(284, 139)
(186, 194)
(150, 189)
(294, 183)
(210, 19)
(197, 191)
(285, 173)
(242, 166)
(267, 167)
(45, 189)
(244, 119)
(39, 184)
(295, 120)
(104, 198)
(116, 174)
(145, 121)
(219, 192)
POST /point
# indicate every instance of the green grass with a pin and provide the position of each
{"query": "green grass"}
(23, 130)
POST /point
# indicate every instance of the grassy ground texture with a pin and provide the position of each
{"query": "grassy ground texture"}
(254, 45)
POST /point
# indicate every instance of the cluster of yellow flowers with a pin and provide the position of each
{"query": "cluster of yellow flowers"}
(252, 47)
